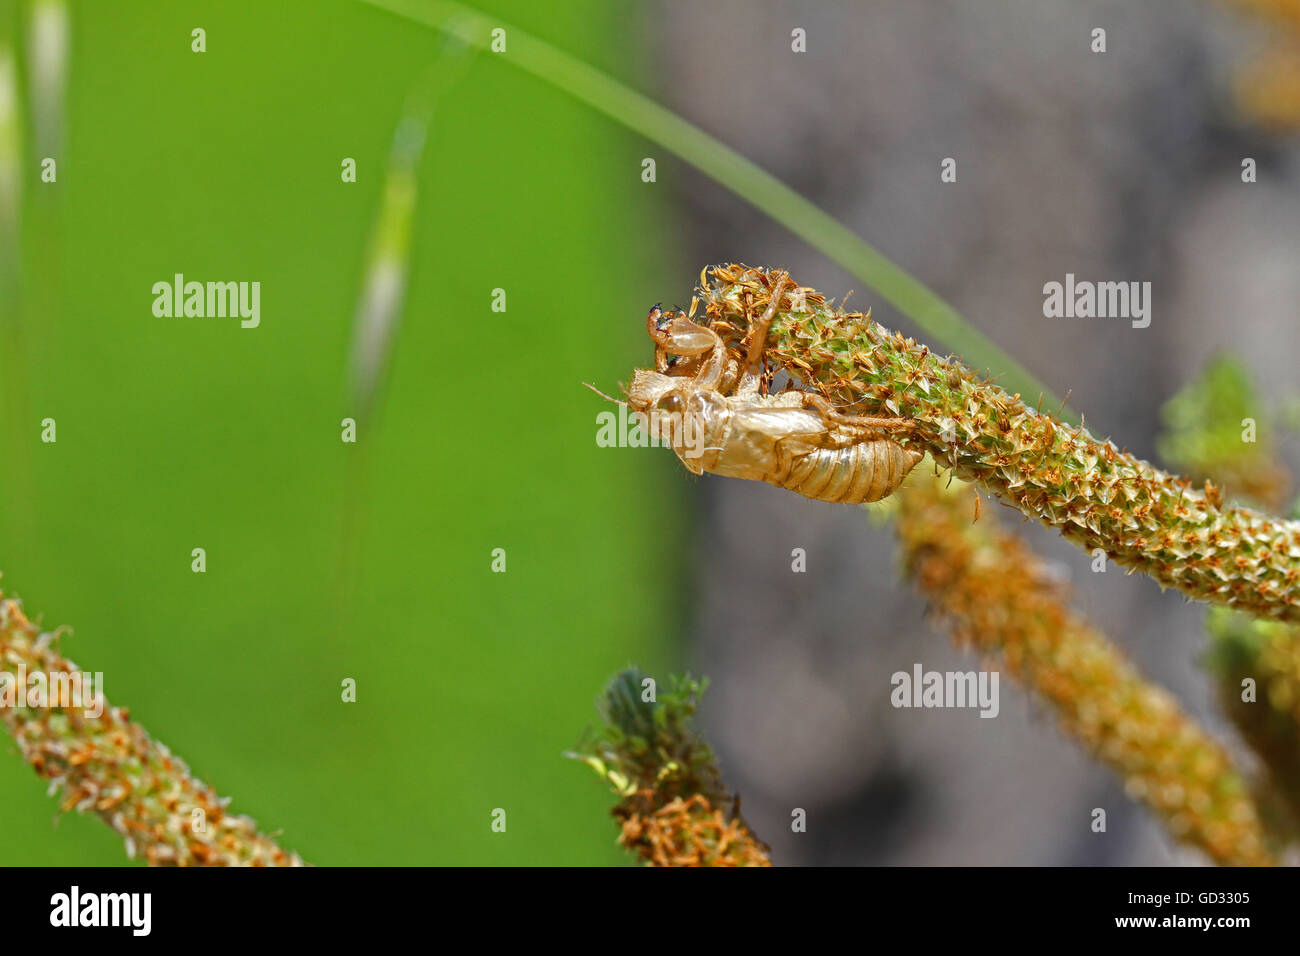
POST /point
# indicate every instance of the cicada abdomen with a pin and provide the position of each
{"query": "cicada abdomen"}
(866, 471)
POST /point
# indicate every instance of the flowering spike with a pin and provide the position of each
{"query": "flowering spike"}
(1001, 599)
(675, 809)
(1095, 495)
(109, 766)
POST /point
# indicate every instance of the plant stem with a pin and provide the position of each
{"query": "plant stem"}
(1096, 495)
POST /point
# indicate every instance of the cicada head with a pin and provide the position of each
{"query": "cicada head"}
(648, 388)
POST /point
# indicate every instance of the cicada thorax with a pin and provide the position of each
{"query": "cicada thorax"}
(862, 472)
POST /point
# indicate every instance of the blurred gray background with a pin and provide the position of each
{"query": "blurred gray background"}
(1117, 166)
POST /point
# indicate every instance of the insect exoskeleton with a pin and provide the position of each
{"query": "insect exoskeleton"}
(794, 440)
(778, 439)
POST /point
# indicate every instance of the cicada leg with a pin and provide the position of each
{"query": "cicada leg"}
(753, 376)
(875, 423)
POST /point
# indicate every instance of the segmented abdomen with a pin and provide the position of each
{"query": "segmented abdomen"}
(867, 471)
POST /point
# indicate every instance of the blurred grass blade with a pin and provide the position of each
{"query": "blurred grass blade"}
(387, 267)
(641, 114)
(379, 309)
(10, 160)
(48, 69)
(12, 366)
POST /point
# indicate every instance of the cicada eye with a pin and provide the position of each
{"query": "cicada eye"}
(671, 403)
